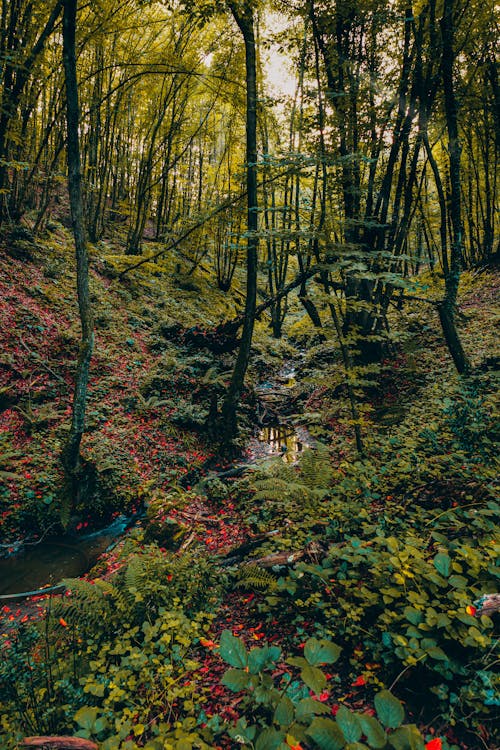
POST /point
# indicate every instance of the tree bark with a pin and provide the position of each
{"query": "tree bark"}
(448, 305)
(59, 743)
(243, 16)
(71, 451)
(15, 78)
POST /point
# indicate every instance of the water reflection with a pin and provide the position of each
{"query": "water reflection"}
(282, 441)
(49, 562)
(43, 565)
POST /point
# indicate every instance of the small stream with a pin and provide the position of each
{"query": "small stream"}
(282, 440)
(278, 435)
(46, 563)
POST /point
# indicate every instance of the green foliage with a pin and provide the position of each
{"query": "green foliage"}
(113, 660)
(141, 685)
(112, 479)
(253, 577)
(406, 600)
(471, 422)
(284, 491)
(278, 712)
(150, 581)
(188, 415)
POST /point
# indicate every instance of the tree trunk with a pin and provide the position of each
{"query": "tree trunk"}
(244, 19)
(452, 279)
(15, 78)
(71, 451)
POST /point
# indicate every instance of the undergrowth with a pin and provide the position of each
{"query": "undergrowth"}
(350, 580)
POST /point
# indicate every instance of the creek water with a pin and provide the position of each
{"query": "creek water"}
(281, 437)
(48, 562)
(282, 440)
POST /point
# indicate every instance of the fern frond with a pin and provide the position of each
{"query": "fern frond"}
(253, 577)
(315, 468)
(88, 604)
(134, 573)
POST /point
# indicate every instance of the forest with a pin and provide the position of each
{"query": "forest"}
(248, 375)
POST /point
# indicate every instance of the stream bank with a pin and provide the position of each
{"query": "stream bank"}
(44, 564)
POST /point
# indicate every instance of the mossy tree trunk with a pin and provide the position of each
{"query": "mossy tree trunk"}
(71, 451)
(447, 307)
(243, 15)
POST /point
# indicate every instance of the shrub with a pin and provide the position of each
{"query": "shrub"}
(281, 711)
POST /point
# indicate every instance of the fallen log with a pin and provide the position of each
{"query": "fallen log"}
(237, 554)
(36, 592)
(231, 327)
(312, 551)
(488, 605)
(59, 743)
(278, 558)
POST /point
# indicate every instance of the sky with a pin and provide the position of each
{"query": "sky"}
(277, 65)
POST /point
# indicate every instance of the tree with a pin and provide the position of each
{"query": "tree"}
(452, 278)
(19, 52)
(243, 15)
(71, 451)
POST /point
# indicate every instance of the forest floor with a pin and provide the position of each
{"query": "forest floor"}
(427, 483)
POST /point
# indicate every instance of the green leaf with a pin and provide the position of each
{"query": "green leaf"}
(259, 658)
(442, 620)
(406, 738)
(326, 734)
(308, 707)
(269, 739)
(299, 661)
(285, 712)
(349, 724)
(232, 650)
(437, 653)
(243, 730)
(442, 563)
(458, 582)
(372, 730)
(389, 709)
(264, 695)
(321, 652)
(85, 717)
(235, 679)
(413, 615)
(314, 679)
(100, 724)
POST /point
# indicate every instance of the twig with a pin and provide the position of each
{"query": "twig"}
(405, 670)
(38, 592)
(40, 361)
(187, 542)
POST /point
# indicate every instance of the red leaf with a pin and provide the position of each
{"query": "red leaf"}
(360, 681)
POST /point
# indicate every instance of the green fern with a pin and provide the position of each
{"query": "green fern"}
(65, 510)
(252, 577)
(315, 469)
(135, 573)
(89, 604)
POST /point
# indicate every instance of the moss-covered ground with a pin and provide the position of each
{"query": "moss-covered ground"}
(384, 554)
